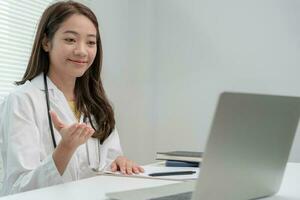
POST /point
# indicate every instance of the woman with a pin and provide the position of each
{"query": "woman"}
(61, 87)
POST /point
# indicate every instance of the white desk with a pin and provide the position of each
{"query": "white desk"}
(96, 187)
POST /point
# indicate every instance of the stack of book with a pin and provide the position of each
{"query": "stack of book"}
(181, 158)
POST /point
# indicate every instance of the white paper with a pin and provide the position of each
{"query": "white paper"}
(157, 169)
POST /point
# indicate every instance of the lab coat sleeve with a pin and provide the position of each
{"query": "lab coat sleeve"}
(24, 168)
(110, 150)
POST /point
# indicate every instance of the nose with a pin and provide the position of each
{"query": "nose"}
(80, 50)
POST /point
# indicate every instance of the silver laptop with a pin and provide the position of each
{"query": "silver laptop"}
(246, 153)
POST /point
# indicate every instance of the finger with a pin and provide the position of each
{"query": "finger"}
(58, 124)
(88, 133)
(73, 127)
(141, 169)
(135, 169)
(91, 128)
(85, 131)
(113, 167)
(91, 132)
(122, 165)
(78, 131)
(129, 167)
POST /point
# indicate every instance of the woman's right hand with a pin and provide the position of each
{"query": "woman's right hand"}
(72, 135)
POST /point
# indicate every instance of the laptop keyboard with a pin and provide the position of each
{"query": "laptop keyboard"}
(180, 196)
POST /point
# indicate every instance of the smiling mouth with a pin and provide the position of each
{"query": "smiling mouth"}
(78, 61)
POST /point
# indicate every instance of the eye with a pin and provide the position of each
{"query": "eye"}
(91, 43)
(70, 40)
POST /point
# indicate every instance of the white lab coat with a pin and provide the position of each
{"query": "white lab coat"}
(26, 144)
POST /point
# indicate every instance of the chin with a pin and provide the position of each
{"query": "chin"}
(81, 72)
(80, 75)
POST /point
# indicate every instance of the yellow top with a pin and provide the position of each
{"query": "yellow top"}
(72, 106)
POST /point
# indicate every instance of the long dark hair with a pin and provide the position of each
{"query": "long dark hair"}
(90, 96)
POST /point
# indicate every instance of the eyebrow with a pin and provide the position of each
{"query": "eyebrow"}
(75, 33)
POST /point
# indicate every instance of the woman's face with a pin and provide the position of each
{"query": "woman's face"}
(73, 47)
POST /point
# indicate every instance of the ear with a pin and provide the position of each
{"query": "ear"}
(46, 43)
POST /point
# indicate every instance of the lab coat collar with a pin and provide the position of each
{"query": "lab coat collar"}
(38, 81)
(54, 93)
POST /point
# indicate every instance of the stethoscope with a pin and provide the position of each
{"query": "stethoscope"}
(96, 169)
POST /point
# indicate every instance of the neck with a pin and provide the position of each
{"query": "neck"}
(64, 83)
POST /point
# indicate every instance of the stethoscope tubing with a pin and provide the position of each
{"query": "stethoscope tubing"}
(48, 111)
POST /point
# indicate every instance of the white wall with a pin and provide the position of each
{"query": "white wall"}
(206, 47)
(165, 62)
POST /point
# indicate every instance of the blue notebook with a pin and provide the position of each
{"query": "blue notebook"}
(175, 163)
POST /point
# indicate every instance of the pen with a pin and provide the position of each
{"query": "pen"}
(172, 173)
